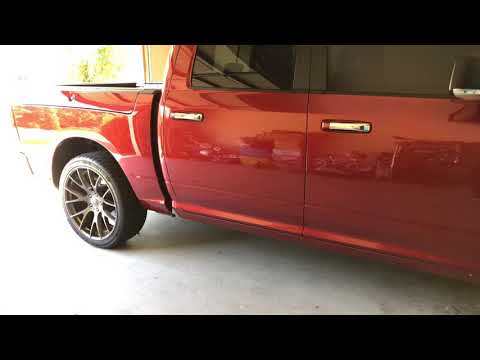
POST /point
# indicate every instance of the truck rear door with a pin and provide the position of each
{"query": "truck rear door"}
(234, 133)
(393, 162)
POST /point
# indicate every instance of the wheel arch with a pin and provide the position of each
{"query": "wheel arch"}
(72, 147)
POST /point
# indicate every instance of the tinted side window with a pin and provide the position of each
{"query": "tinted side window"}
(269, 67)
(393, 69)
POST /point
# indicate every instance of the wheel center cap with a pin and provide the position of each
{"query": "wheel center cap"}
(95, 201)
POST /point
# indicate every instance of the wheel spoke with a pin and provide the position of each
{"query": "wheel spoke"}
(97, 223)
(75, 181)
(83, 221)
(82, 180)
(74, 192)
(91, 226)
(90, 179)
(109, 216)
(106, 192)
(109, 203)
(76, 200)
(96, 183)
(84, 211)
(104, 222)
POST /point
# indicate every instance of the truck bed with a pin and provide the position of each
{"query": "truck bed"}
(116, 117)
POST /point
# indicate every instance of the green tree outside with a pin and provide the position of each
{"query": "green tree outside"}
(100, 69)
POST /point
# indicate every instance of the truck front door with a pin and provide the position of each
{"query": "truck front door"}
(234, 133)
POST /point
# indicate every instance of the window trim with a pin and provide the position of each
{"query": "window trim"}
(306, 90)
(360, 93)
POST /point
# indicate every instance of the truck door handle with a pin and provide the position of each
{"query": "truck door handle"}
(346, 126)
(467, 94)
(186, 116)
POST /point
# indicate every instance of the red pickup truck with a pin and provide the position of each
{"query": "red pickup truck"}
(370, 150)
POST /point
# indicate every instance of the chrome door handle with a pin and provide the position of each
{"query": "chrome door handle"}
(346, 126)
(186, 116)
(467, 94)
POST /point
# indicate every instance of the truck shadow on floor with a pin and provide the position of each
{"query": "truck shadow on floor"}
(163, 234)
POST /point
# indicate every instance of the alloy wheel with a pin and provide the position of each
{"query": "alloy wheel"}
(90, 203)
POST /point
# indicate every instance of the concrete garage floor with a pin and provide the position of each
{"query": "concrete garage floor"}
(180, 267)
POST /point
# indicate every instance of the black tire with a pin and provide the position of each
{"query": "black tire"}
(130, 215)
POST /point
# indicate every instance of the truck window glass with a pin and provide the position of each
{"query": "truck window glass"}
(394, 69)
(265, 67)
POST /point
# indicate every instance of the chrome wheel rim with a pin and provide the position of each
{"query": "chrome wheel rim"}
(90, 203)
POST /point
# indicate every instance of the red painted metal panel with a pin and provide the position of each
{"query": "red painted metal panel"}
(409, 188)
(124, 131)
(245, 160)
